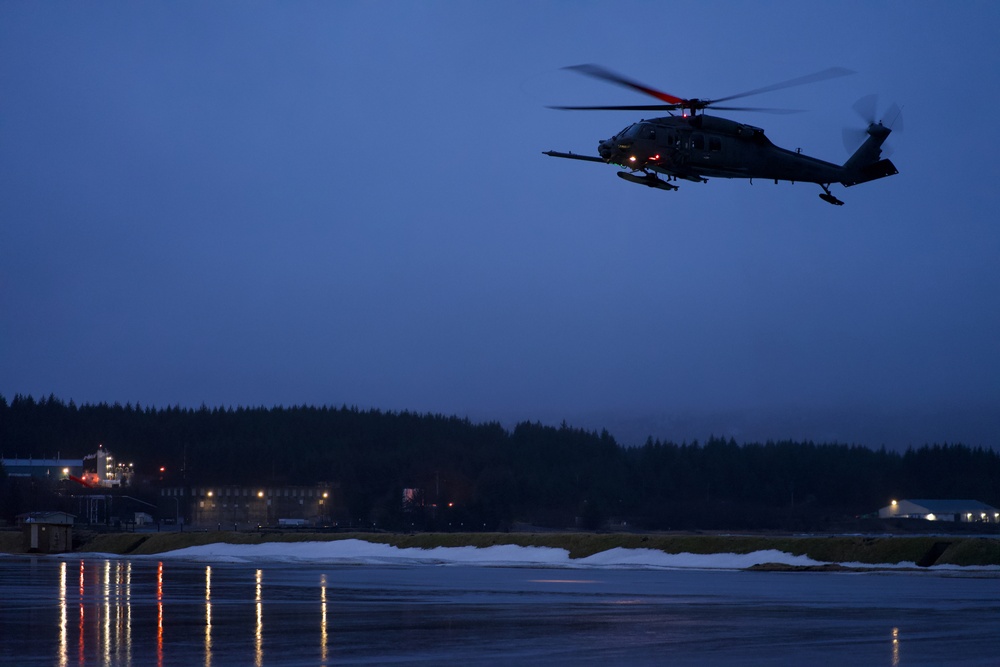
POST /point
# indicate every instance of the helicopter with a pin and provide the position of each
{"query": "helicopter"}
(694, 146)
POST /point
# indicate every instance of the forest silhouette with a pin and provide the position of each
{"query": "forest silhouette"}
(484, 476)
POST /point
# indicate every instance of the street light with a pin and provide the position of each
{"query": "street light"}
(260, 494)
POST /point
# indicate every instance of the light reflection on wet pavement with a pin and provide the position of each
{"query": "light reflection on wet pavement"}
(145, 611)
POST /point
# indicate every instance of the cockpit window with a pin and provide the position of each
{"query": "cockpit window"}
(629, 132)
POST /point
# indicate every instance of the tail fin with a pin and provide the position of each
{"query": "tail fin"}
(865, 164)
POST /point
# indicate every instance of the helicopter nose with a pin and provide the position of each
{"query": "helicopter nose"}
(605, 148)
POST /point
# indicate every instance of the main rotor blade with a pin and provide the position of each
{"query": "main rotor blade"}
(757, 109)
(647, 107)
(671, 107)
(598, 72)
(831, 73)
(675, 103)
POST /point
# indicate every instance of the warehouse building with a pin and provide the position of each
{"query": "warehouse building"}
(965, 511)
(237, 507)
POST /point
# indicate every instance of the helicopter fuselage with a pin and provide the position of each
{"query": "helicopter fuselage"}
(698, 147)
(695, 146)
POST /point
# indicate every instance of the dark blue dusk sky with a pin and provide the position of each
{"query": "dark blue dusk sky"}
(346, 203)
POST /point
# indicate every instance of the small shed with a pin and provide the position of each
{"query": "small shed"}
(47, 532)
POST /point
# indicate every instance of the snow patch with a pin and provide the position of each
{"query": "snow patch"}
(352, 551)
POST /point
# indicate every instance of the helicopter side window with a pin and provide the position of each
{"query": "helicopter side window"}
(714, 144)
(698, 142)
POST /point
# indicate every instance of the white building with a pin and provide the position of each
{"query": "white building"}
(967, 511)
(93, 470)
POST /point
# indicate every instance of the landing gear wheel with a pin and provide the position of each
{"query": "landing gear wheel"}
(827, 197)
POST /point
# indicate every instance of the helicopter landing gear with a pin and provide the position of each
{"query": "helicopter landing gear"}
(647, 179)
(827, 197)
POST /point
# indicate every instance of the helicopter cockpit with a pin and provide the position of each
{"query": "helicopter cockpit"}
(616, 148)
(628, 135)
(634, 147)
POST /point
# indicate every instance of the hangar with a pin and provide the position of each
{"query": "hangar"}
(965, 511)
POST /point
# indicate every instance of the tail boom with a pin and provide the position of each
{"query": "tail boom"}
(869, 172)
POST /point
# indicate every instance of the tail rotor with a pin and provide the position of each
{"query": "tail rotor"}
(867, 110)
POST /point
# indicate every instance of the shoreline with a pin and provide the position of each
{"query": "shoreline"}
(864, 551)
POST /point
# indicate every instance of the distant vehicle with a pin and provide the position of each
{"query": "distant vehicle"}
(694, 146)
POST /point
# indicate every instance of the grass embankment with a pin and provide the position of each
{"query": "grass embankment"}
(864, 550)
(10, 542)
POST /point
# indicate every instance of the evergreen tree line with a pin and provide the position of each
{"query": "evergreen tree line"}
(478, 476)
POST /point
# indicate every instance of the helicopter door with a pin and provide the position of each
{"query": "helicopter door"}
(667, 141)
(706, 150)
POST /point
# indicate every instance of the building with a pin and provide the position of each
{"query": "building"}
(239, 507)
(47, 532)
(93, 470)
(54, 468)
(965, 511)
